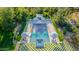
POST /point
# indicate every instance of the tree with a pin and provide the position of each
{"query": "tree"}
(8, 21)
(8, 26)
(75, 39)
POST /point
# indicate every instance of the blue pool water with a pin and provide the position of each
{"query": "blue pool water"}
(38, 35)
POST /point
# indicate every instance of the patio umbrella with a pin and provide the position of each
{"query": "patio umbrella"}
(24, 34)
(54, 36)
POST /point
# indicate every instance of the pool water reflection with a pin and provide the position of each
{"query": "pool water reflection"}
(37, 35)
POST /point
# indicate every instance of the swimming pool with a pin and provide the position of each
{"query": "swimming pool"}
(38, 35)
(40, 32)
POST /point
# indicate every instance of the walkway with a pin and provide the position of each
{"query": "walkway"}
(51, 47)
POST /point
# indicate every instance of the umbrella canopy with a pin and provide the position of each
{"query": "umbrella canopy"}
(54, 35)
(24, 34)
